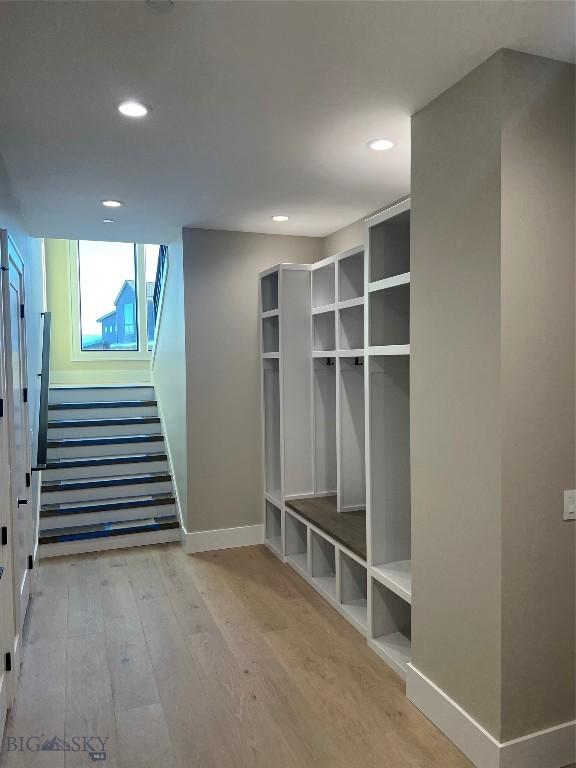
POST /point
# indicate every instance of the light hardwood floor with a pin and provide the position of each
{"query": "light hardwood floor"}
(221, 660)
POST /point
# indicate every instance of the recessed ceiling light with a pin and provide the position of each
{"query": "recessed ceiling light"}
(279, 217)
(380, 145)
(112, 203)
(108, 221)
(133, 109)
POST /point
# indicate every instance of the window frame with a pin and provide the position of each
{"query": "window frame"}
(77, 353)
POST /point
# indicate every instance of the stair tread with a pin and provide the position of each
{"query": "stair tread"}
(95, 461)
(102, 482)
(61, 442)
(105, 505)
(92, 404)
(114, 422)
(108, 529)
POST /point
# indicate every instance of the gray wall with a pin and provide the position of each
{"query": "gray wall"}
(493, 393)
(537, 391)
(343, 239)
(223, 368)
(169, 373)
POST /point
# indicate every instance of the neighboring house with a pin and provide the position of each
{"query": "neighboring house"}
(119, 326)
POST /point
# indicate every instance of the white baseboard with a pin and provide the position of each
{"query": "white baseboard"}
(551, 748)
(223, 538)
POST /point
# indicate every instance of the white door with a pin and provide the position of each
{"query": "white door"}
(20, 449)
(6, 583)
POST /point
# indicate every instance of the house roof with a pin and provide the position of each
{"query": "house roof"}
(129, 283)
(105, 317)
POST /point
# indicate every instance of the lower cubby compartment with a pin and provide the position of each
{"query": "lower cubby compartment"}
(354, 590)
(391, 627)
(323, 564)
(296, 542)
(273, 527)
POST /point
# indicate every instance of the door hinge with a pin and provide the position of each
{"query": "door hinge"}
(25, 394)
(28, 480)
(4, 535)
(8, 662)
(22, 311)
(30, 562)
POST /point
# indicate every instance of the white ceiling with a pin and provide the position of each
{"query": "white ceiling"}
(258, 107)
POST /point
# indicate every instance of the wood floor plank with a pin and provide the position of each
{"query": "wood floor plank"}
(143, 572)
(85, 616)
(116, 593)
(143, 740)
(89, 703)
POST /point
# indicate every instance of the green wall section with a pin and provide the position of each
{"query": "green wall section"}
(63, 369)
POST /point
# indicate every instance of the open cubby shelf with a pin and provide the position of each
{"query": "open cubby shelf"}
(390, 247)
(390, 316)
(324, 405)
(389, 436)
(273, 526)
(324, 285)
(351, 327)
(397, 577)
(352, 475)
(271, 407)
(391, 627)
(354, 590)
(269, 292)
(296, 542)
(351, 277)
(324, 331)
(270, 334)
(323, 564)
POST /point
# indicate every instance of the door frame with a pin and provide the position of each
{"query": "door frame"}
(9, 255)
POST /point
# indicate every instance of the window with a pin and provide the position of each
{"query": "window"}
(108, 285)
(112, 308)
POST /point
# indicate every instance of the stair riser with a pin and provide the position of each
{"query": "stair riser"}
(115, 542)
(102, 413)
(115, 516)
(114, 449)
(118, 430)
(113, 492)
(106, 470)
(92, 394)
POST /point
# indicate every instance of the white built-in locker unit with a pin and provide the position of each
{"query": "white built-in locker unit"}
(335, 353)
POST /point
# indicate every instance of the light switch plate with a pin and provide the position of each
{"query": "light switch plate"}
(569, 505)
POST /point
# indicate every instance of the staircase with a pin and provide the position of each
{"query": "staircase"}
(107, 482)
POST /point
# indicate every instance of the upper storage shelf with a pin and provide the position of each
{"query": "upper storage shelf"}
(389, 247)
(351, 276)
(324, 285)
(269, 288)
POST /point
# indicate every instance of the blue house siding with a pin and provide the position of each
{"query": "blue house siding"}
(119, 328)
